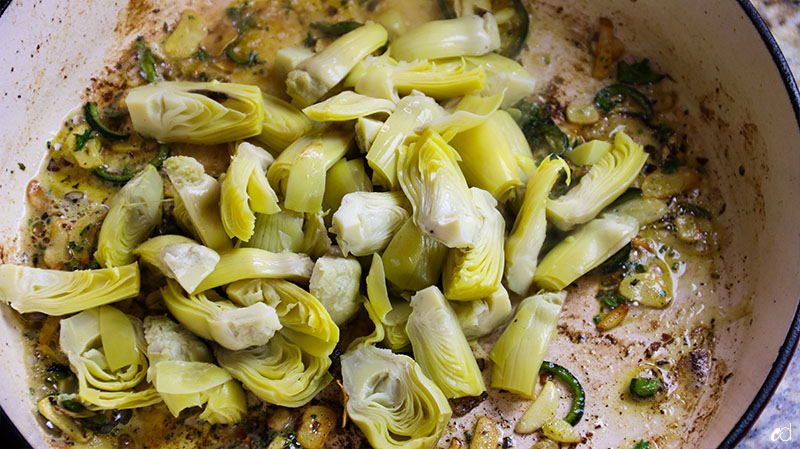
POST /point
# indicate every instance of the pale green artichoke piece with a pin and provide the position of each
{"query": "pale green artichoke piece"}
(199, 195)
(57, 293)
(602, 184)
(348, 105)
(366, 221)
(106, 351)
(480, 317)
(283, 124)
(133, 213)
(443, 207)
(335, 282)
(521, 348)
(476, 272)
(179, 258)
(389, 315)
(413, 260)
(392, 401)
(279, 372)
(193, 112)
(440, 347)
(465, 36)
(278, 233)
(504, 75)
(254, 263)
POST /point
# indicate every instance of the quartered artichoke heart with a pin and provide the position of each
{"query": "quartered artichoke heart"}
(480, 317)
(442, 202)
(530, 227)
(57, 293)
(201, 113)
(179, 258)
(184, 374)
(106, 350)
(304, 320)
(279, 372)
(199, 195)
(504, 75)
(391, 400)
(133, 213)
(213, 318)
(476, 272)
(413, 260)
(440, 347)
(366, 221)
(283, 124)
(245, 190)
(254, 263)
(348, 105)
(605, 181)
(465, 36)
(521, 348)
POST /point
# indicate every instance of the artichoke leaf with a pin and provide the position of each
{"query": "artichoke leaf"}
(57, 293)
(504, 75)
(133, 213)
(391, 400)
(254, 263)
(413, 260)
(279, 372)
(199, 195)
(278, 233)
(521, 348)
(527, 236)
(440, 347)
(348, 105)
(391, 315)
(472, 111)
(442, 203)
(476, 272)
(91, 354)
(602, 184)
(283, 124)
(343, 178)
(193, 112)
(366, 221)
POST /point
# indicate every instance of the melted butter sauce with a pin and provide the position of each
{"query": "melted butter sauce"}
(689, 342)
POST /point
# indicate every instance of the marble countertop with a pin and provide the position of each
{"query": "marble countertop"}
(779, 424)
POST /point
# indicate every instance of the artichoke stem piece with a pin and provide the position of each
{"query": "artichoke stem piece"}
(391, 400)
(440, 347)
(57, 293)
(605, 181)
(465, 36)
(442, 202)
(315, 76)
(527, 236)
(521, 348)
(133, 213)
(202, 113)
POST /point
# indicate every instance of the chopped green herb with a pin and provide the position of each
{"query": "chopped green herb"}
(201, 55)
(539, 128)
(695, 210)
(637, 73)
(81, 139)
(147, 64)
(642, 444)
(671, 165)
(618, 261)
(85, 230)
(741, 170)
(605, 99)
(597, 319)
(75, 247)
(309, 40)
(611, 298)
(468, 436)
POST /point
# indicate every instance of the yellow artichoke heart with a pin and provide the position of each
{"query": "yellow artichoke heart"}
(469, 35)
(279, 372)
(179, 258)
(440, 347)
(335, 282)
(132, 214)
(283, 124)
(194, 112)
(521, 348)
(106, 350)
(391, 315)
(199, 195)
(57, 293)
(480, 317)
(441, 200)
(413, 260)
(246, 190)
(391, 400)
(248, 263)
(348, 105)
(366, 221)
(602, 184)
(476, 272)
